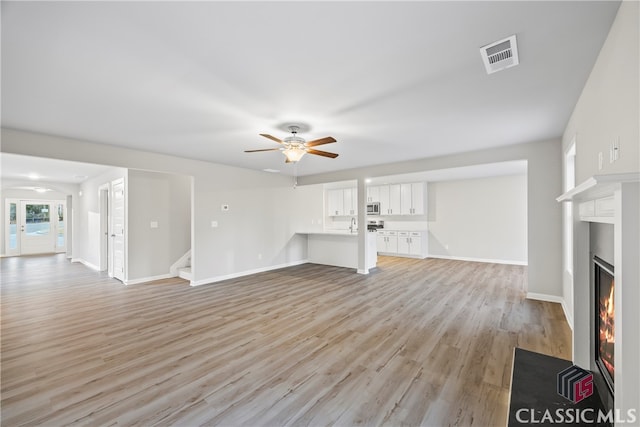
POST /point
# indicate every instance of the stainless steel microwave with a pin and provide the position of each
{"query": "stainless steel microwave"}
(373, 208)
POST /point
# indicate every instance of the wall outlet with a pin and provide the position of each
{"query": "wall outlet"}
(611, 159)
(224, 208)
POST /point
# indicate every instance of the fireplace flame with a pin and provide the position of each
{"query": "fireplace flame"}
(610, 301)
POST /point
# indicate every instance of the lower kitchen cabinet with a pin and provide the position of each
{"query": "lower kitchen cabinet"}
(387, 242)
(412, 244)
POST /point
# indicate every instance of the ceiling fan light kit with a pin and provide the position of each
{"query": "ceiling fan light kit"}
(294, 146)
(293, 154)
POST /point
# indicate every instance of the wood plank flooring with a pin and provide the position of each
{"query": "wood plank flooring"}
(416, 342)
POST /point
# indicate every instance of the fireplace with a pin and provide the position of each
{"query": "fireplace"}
(604, 318)
(611, 201)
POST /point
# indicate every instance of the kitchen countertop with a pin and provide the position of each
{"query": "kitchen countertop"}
(331, 233)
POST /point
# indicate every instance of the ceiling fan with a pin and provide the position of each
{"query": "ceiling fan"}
(294, 147)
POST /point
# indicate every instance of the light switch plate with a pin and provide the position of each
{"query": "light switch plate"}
(600, 160)
(214, 224)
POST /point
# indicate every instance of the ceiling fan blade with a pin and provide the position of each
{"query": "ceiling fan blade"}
(323, 153)
(264, 149)
(273, 138)
(326, 140)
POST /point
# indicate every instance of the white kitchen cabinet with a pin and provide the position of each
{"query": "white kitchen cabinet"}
(383, 193)
(389, 199)
(350, 198)
(373, 194)
(387, 242)
(394, 199)
(412, 198)
(410, 243)
(398, 199)
(335, 202)
(403, 242)
(342, 202)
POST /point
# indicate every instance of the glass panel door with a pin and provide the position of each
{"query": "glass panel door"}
(36, 232)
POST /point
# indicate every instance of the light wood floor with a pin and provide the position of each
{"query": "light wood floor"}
(417, 342)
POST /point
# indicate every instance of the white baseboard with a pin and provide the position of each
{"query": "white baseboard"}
(485, 260)
(246, 273)
(149, 279)
(567, 316)
(86, 263)
(545, 297)
(402, 255)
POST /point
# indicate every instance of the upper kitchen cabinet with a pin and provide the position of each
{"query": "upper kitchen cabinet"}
(389, 199)
(335, 202)
(342, 202)
(399, 199)
(373, 194)
(412, 198)
(350, 197)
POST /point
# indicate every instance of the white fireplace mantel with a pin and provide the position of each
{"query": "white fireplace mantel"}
(612, 199)
(598, 186)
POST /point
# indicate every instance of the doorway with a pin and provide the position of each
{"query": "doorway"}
(35, 227)
(112, 228)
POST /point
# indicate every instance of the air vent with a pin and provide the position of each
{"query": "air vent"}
(500, 55)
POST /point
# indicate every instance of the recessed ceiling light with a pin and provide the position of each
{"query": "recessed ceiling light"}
(271, 170)
(40, 189)
(368, 180)
(33, 176)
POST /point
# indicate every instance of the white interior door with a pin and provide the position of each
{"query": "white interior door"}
(59, 218)
(37, 227)
(105, 240)
(118, 229)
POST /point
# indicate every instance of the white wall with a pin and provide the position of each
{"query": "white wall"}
(166, 200)
(481, 219)
(608, 108)
(257, 231)
(609, 105)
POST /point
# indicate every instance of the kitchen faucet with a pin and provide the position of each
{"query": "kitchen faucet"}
(354, 225)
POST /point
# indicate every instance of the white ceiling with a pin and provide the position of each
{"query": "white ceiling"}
(391, 81)
(37, 170)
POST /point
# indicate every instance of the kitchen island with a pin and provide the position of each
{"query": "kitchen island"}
(339, 248)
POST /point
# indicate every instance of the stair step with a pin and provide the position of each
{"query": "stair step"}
(185, 273)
